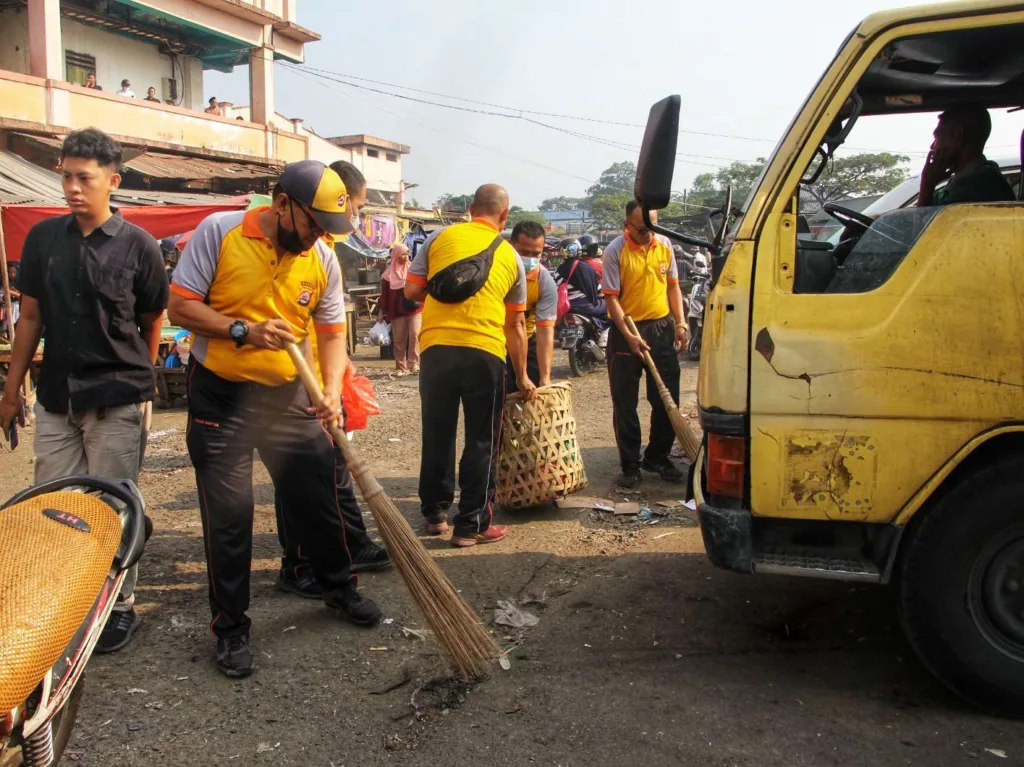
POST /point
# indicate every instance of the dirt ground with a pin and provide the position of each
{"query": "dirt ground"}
(644, 654)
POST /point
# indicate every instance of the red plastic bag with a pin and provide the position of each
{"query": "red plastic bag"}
(359, 400)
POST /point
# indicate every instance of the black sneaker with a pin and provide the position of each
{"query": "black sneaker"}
(300, 581)
(630, 478)
(234, 656)
(361, 610)
(371, 557)
(121, 625)
(664, 468)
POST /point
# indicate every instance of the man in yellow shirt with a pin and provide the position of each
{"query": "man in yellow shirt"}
(473, 286)
(246, 285)
(641, 279)
(541, 305)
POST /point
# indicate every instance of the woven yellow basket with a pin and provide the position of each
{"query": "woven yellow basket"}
(540, 460)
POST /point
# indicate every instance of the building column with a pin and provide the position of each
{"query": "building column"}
(45, 51)
(261, 85)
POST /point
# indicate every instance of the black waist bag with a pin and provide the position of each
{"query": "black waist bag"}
(462, 280)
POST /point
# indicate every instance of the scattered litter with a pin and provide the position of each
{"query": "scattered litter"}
(137, 691)
(134, 727)
(388, 621)
(180, 678)
(671, 504)
(690, 504)
(155, 705)
(262, 748)
(586, 645)
(997, 752)
(420, 634)
(646, 514)
(504, 662)
(586, 502)
(663, 535)
(394, 439)
(155, 435)
(106, 723)
(627, 508)
(507, 614)
(378, 649)
(290, 628)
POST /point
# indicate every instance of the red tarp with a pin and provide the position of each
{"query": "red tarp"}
(159, 220)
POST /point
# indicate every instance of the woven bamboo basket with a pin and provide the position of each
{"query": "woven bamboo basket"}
(540, 460)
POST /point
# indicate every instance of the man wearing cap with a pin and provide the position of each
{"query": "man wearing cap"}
(541, 305)
(249, 283)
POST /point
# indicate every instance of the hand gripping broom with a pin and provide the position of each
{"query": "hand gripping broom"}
(458, 629)
(679, 423)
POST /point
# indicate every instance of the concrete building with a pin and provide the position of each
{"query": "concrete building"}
(49, 47)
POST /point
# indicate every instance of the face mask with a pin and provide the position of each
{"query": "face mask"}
(531, 263)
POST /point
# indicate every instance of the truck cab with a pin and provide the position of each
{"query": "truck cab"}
(863, 402)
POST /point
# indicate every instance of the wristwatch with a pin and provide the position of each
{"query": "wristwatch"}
(239, 331)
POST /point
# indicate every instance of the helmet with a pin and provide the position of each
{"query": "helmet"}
(589, 245)
(571, 247)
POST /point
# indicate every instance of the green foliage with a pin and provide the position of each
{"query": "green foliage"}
(609, 210)
(453, 203)
(517, 214)
(617, 178)
(561, 203)
(861, 175)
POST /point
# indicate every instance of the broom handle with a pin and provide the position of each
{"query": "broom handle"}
(360, 471)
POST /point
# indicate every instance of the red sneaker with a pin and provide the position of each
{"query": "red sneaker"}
(492, 534)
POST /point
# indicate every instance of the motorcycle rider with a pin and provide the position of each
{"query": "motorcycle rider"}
(584, 285)
(592, 254)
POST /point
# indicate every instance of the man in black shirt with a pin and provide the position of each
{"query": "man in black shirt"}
(97, 285)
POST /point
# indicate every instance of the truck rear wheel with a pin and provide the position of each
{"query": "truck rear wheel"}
(961, 588)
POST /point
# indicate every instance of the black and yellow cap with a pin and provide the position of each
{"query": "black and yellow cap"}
(319, 188)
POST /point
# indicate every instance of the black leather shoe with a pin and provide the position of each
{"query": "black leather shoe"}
(664, 468)
(299, 581)
(371, 557)
(630, 478)
(234, 656)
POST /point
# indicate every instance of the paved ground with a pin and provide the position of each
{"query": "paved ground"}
(644, 654)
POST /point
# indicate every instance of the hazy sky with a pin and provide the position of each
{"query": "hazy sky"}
(743, 68)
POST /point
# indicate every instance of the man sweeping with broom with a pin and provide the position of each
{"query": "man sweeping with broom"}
(473, 286)
(249, 285)
(641, 280)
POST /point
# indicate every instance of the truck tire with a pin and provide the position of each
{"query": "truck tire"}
(961, 588)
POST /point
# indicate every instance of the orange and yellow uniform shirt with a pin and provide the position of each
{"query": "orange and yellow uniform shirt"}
(233, 267)
(541, 300)
(640, 276)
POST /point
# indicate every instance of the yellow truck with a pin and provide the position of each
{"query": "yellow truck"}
(863, 403)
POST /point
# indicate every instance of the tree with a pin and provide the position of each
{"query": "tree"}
(456, 204)
(860, 175)
(561, 203)
(708, 190)
(609, 210)
(615, 179)
(517, 214)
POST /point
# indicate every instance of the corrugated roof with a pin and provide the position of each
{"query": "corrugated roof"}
(23, 182)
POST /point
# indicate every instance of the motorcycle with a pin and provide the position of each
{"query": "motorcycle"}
(63, 558)
(578, 335)
(695, 307)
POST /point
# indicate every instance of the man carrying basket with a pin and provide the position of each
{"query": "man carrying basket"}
(473, 287)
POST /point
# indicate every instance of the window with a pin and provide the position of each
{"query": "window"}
(372, 153)
(392, 157)
(77, 66)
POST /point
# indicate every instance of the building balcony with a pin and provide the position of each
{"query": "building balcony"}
(35, 105)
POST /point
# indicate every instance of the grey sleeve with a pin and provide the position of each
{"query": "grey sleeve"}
(610, 283)
(547, 302)
(673, 265)
(419, 266)
(516, 296)
(329, 315)
(197, 266)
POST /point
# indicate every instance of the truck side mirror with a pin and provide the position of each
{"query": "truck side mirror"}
(653, 185)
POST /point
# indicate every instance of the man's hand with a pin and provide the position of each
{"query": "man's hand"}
(11, 408)
(527, 388)
(637, 345)
(270, 334)
(329, 410)
(936, 169)
(682, 335)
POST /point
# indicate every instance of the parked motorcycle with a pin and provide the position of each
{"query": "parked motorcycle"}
(63, 557)
(577, 334)
(695, 306)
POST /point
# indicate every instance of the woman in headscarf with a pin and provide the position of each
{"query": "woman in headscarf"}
(404, 315)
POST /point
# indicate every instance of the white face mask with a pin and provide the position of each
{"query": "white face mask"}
(530, 263)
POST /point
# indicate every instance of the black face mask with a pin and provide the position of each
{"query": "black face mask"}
(289, 239)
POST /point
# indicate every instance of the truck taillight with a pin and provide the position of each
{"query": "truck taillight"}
(726, 459)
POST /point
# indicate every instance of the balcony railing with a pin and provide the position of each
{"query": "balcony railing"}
(31, 103)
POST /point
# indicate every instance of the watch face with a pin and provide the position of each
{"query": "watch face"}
(238, 330)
